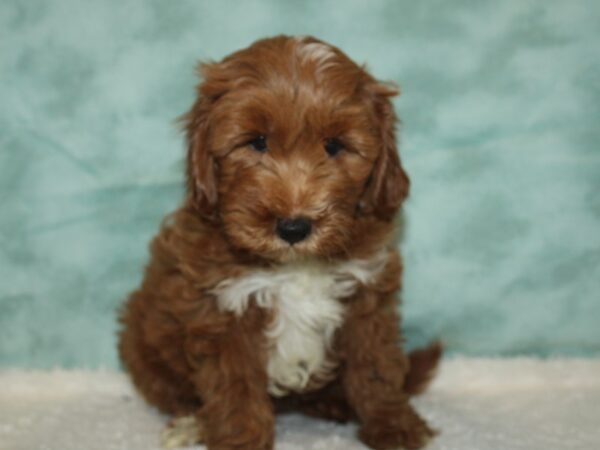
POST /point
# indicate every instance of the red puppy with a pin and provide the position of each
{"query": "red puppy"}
(273, 285)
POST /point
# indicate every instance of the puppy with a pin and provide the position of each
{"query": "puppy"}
(272, 287)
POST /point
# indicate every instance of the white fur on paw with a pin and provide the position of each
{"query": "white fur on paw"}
(181, 432)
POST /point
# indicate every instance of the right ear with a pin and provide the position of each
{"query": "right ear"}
(200, 164)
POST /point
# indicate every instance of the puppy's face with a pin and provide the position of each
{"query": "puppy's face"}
(291, 146)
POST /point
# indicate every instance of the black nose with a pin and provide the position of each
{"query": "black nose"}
(293, 230)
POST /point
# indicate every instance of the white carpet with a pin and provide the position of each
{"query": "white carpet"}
(479, 404)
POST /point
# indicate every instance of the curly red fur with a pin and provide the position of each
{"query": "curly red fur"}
(185, 351)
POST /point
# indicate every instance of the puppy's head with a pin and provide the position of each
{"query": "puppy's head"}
(292, 148)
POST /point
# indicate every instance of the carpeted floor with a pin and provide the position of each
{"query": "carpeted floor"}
(480, 404)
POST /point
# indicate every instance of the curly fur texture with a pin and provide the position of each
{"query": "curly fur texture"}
(233, 323)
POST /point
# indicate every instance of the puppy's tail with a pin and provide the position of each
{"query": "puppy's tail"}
(423, 366)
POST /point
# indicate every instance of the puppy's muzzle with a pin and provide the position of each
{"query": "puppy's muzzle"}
(293, 230)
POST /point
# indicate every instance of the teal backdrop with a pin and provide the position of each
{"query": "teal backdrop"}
(500, 135)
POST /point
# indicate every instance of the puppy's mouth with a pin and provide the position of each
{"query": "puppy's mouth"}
(300, 241)
(285, 238)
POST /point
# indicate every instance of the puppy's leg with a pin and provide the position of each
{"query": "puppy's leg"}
(231, 379)
(374, 376)
(182, 431)
(151, 349)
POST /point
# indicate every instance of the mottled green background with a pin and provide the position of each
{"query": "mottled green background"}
(500, 134)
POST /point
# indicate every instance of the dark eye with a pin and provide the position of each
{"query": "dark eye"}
(259, 144)
(333, 146)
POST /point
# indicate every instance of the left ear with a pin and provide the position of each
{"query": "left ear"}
(388, 184)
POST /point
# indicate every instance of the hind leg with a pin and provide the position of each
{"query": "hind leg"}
(168, 391)
(161, 386)
(155, 359)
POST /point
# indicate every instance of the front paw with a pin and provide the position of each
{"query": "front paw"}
(183, 431)
(403, 429)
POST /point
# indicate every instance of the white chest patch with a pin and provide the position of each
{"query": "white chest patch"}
(306, 301)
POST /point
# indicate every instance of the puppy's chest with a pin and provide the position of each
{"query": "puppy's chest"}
(307, 307)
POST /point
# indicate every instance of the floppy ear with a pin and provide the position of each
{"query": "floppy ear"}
(388, 184)
(201, 166)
